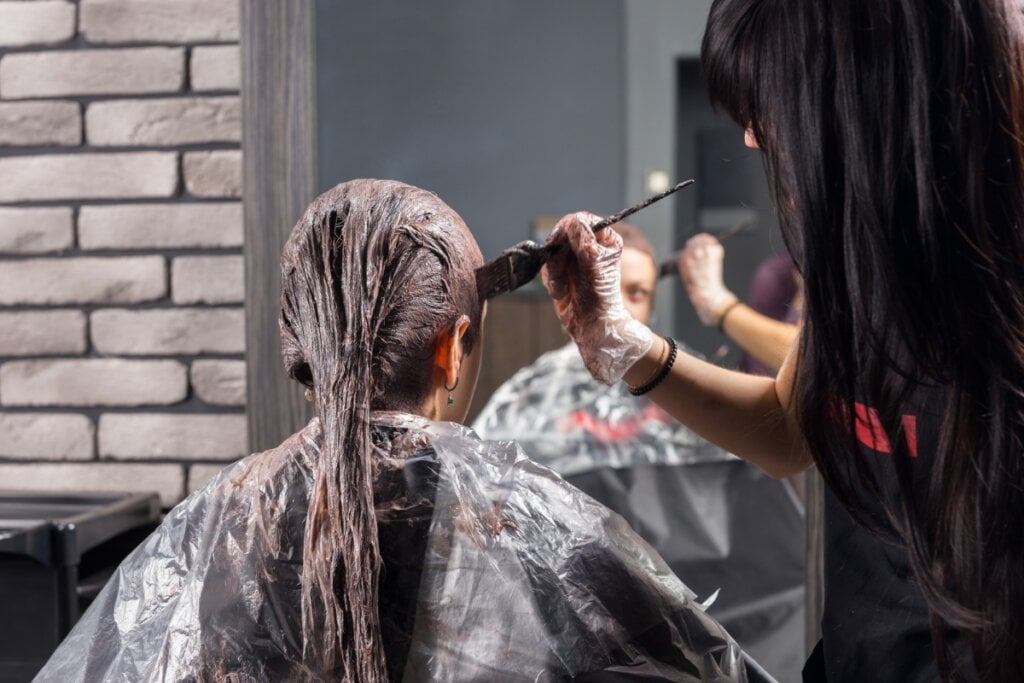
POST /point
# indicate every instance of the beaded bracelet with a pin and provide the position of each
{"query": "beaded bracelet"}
(727, 311)
(662, 374)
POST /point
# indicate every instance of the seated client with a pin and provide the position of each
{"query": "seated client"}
(383, 541)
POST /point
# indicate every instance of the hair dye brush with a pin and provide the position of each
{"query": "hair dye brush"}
(519, 264)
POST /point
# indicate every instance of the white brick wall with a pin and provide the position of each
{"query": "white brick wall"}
(92, 72)
(215, 68)
(88, 176)
(219, 382)
(39, 333)
(40, 123)
(215, 437)
(165, 479)
(127, 279)
(207, 280)
(35, 23)
(164, 122)
(46, 436)
(120, 245)
(92, 382)
(213, 174)
(168, 331)
(161, 226)
(182, 21)
(27, 231)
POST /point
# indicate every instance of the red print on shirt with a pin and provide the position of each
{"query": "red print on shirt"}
(870, 433)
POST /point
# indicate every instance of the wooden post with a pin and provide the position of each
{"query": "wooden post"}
(815, 597)
(279, 181)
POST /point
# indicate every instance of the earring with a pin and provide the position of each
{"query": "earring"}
(309, 394)
(451, 401)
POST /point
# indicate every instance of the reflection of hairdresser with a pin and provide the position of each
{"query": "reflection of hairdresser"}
(764, 327)
(700, 507)
(383, 542)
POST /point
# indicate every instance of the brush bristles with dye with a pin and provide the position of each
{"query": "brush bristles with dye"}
(519, 265)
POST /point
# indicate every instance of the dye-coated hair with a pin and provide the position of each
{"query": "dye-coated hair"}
(372, 274)
(893, 136)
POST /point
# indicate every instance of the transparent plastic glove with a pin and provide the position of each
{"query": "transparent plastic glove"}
(584, 280)
(700, 269)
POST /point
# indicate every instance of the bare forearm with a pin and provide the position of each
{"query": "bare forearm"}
(748, 415)
(766, 339)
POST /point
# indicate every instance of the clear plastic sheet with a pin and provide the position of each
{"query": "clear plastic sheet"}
(720, 523)
(495, 569)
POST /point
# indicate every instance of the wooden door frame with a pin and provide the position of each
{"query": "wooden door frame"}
(278, 180)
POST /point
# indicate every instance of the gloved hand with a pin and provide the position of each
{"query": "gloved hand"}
(700, 269)
(583, 278)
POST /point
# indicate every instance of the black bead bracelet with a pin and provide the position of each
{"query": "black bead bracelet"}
(662, 374)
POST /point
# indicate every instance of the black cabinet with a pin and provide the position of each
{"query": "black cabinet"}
(56, 552)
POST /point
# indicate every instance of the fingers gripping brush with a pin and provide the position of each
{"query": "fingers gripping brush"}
(519, 264)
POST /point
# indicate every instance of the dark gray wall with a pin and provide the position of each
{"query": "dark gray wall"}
(508, 109)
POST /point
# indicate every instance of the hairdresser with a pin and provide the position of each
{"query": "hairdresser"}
(893, 137)
(765, 326)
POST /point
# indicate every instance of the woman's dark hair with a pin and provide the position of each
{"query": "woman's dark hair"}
(372, 274)
(893, 137)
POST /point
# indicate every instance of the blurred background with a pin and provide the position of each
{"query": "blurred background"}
(155, 153)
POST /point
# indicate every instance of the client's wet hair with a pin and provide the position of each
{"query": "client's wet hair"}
(372, 275)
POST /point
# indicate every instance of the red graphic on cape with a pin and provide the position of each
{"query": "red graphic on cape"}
(609, 431)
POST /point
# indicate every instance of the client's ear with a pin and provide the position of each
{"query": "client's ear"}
(448, 353)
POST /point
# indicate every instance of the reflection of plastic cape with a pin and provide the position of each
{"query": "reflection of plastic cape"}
(718, 522)
(494, 569)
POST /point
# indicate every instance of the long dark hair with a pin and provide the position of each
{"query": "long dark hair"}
(372, 274)
(893, 136)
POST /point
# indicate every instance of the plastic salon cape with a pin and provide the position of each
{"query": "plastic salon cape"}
(719, 523)
(495, 569)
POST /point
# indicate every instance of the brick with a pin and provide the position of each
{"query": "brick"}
(200, 474)
(169, 331)
(40, 123)
(207, 280)
(166, 480)
(163, 122)
(173, 436)
(116, 280)
(41, 333)
(215, 68)
(46, 436)
(36, 23)
(213, 174)
(88, 176)
(160, 226)
(182, 21)
(92, 72)
(219, 382)
(26, 231)
(92, 382)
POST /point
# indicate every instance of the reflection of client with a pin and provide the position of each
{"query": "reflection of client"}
(717, 521)
(764, 327)
(379, 543)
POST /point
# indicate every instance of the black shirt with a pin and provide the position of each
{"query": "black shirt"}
(875, 625)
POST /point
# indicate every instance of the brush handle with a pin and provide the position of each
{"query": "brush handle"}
(625, 213)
